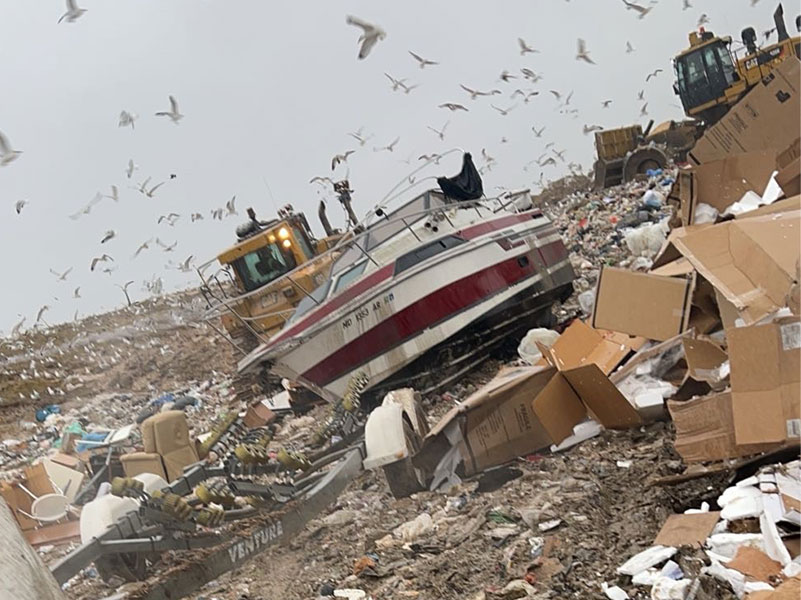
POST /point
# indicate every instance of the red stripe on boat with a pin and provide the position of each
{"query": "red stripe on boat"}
(424, 313)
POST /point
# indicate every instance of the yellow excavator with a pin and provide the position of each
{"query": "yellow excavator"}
(711, 77)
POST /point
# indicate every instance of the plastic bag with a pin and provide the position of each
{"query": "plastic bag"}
(704, 213)
(586, 301)
(647, 239)
(528, 350)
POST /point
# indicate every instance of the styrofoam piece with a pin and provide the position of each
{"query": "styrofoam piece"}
(666, 588)
(98, 514)
(646, 577)
(774, 547)
(735, 492)
(614, 592)
(672, 570)
(734, 578)
(650, 557)
(772, 506)
(581, 432)
(744, 507)
(528, 349)
(726, 544)
(695, 511)
(757, 586)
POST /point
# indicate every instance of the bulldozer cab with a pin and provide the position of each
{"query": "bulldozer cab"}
(268, 254)
(711, 77)
(704, 73)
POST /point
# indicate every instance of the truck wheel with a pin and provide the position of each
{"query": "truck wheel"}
(402, 478)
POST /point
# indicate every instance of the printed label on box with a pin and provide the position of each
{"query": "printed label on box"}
(791, 336)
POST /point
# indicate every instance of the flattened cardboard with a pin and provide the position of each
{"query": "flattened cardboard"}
(751, 262)
(705, 430)
(720, 183)
(676, 268)
(767, 117)
(789, 590)
(754, 563)
(580, 344)
(687, 530)
(789, 165)
(643, 304)
(766, 381)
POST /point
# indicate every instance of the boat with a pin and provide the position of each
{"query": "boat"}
(446, 264)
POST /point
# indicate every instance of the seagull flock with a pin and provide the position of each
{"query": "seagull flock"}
(518, 86)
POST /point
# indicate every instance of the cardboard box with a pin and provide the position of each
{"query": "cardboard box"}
(751, 262)
(765, 381)
(258, 415)
(789, 165)
(651, 306)
(704, 359)
(705, 430)
(523, 410)
(143, 462)
(580, 344)
(721, 183)
(767, 117)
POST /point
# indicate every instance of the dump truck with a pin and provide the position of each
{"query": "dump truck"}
(273, 265)
(711, 77)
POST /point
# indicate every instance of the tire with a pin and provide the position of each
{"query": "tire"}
(402, 478)
(641, 160)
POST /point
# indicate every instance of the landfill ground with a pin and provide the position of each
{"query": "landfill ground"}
(543, 526)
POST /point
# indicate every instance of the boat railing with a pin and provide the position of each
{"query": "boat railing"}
(219, 295)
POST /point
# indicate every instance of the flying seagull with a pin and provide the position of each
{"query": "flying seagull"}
(77, 292)
(389, 147)
(606, 103)
(590, 128)
(127, 118)
(6, 153)
(503, 111)
(42, 312)
(87, 209)
(19, 205)
(644, 110)
(196, 217)
(637, 8)
(525, 48)
(654, 74)
(97, 259)
(409, 88)
(582, 53)
(423, 61)
(321, 180)
(536, 132)
(115, 194)
(73, 12)
(61, 276)
(452, 106)
(340, 158)
(230, 207)
(174, 114)
(396, 83)
(703, 20)
(149, 193)
(506, 76)
(440, 132)
(686, 5)
(476, 93)
(629, 48)
(131, 168)
(124, 289)
(144, 246)
(109, 235)
(184, 266)
(370, 34)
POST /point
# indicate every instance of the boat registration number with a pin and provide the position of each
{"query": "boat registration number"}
(364, 311)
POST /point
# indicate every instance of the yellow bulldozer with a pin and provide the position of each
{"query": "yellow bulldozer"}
(263, 277)
(711, 77)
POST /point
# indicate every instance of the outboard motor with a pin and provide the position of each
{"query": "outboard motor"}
(749, 39)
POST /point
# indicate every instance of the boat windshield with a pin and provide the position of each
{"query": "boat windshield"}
(266, 264)
(309, 302)
(388, 226)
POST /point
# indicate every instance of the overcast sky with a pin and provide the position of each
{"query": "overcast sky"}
(269, 91)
